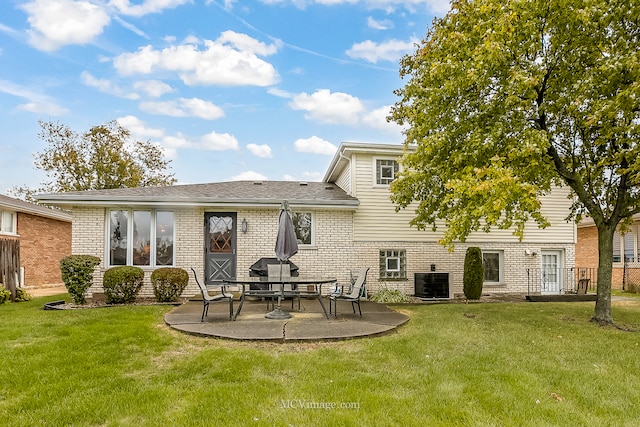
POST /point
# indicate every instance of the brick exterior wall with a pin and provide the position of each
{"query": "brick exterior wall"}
(43, 243)
(334, 253)
(420, 256)
(587, 254)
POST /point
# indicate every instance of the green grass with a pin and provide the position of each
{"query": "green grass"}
(493, 364)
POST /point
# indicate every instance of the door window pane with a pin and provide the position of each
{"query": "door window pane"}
(141, 238)
(118, 237)
(164, 238)
(221, 234)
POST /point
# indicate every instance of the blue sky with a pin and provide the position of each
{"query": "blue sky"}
(229, 89)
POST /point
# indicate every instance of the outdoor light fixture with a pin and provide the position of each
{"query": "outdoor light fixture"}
(244, 225)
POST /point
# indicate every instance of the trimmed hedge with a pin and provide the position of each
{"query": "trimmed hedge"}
(473, 273)
(77, 275)
(122, 284)
(5, 294)
(168, 283)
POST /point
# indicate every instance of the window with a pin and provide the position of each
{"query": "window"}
(386, 171)
(626, 247)
(7, 222)
(393, 264)
(303, 223)
(493, 261)
(131, 233)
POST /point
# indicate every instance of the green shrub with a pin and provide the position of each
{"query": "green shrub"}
(22, 295)
(390, 296)
(168, 283)
(77, 275)
(122, 284)
(632, 288)
(473, 273)
(5, 294)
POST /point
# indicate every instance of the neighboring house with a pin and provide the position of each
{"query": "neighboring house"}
(345, 222)
(43, 236)
(626, 253)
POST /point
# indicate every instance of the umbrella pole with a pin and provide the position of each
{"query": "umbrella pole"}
(277, 313)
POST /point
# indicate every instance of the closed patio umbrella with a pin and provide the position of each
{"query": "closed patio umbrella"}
(286, 240)
(286, 247)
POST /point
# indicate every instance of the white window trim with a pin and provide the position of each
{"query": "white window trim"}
(500, 253)
(14, 224)
(618, 242)
(152, 237)
(397, 260)
(375, 170)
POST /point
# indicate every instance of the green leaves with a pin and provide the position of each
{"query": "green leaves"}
(104, 157)
(505, 100)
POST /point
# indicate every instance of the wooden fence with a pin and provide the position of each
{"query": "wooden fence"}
(10, 264)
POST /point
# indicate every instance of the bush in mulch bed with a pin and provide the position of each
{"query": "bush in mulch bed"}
(122, 284)
(77, 275)
(168, 283)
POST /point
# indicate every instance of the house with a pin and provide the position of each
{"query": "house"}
(42, 236)
(344, 222)
(626, 253)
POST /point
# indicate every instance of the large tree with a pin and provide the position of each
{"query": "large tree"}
(104, 157)
(507, 99)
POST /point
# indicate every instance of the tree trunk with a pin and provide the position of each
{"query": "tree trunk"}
(605, 268)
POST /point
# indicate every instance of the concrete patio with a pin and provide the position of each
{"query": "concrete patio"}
(307, 324)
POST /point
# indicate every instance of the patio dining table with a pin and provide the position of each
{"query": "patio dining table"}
(302, 286)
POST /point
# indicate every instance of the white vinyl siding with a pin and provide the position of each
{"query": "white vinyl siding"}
(376, 218)
(344, 180)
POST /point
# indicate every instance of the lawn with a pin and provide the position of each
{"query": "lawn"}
(491, 364)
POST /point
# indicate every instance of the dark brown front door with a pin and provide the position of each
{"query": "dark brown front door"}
(220, 246)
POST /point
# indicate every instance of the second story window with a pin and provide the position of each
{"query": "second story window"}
(386, 171)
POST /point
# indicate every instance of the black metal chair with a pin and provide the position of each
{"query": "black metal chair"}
(208, 299)
(357, 292)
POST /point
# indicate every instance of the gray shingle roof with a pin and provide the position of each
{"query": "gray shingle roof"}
(18, 205)
(236, 193)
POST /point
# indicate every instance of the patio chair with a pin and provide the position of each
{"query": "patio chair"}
(357, 292)
(278, 272)
(208, 299)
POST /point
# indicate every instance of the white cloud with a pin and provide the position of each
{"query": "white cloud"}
(377, 119)
(435, 6)
(148, 6)
(55, 23)
(231, 60)
(170, 144)
(280, 93)
(139, 129)
(184, 107)
(391, 50)
(48, 108)
(248, 176)
(106, 86)
(36, 102)
(263, 150)
(327, 107)
(315, 145)
(153, 88)
(214, 141)
(384, 24)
